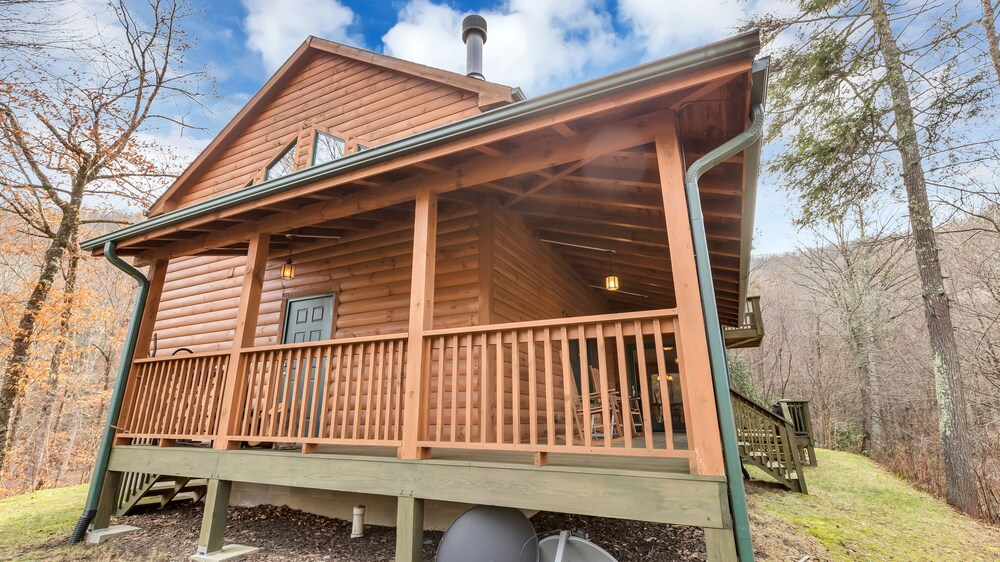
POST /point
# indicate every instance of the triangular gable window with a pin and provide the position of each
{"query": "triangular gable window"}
(328, 148)
(283, 165)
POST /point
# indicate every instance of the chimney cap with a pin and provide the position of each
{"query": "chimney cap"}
(473, 22)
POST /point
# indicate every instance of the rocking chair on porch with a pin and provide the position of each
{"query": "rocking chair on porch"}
(596, 401)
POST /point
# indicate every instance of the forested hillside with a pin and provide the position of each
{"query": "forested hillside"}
(844, 330)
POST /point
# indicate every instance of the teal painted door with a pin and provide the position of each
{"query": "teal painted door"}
(307, 319)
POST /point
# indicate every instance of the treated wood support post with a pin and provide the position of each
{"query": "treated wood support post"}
(720, 545)
(487, 278)
(692, 342)
(409, 529)
(157, 275)
(246, 327)
(106, 504)
(421, 317)
(213, 522)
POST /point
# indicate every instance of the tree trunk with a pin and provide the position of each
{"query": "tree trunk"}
(20, 353)
(47, 422)
(992, 39)
(950, 389)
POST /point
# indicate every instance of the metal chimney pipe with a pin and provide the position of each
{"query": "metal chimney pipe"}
(474, 37)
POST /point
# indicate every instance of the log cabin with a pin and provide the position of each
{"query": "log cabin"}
(392, 285)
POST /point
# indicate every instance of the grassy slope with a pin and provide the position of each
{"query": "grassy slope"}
(855, 511)
(30, 521)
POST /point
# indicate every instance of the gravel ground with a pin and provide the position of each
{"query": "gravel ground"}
(288, 534)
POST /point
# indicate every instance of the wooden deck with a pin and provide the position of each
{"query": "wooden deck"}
(658, 490)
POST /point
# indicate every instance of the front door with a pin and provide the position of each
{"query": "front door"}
(307, 319)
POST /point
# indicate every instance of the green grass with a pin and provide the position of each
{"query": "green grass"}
(36, 526)
(857, 511)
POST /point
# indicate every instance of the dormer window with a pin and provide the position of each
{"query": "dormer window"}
(282, 165)
(328, 148)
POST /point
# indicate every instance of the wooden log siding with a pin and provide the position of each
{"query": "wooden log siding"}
(331, 93)
(531, 281)
(174, 397)
(477, 401)
(344, 391)
(370, 273)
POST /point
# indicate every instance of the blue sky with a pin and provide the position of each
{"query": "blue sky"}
(539, 45)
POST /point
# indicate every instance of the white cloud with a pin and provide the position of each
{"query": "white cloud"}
(276, 28)
(536, 45)
(664, 28)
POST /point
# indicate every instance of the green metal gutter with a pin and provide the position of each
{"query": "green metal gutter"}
(740, 47)
(751, 168)
(748, 140)
(117, 393)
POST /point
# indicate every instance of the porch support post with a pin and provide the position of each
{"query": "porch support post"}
(692, 342)
(213, 522)
(157, 276)
(720, 545)
(246, 327)
(409, 529)
(421, 318)
(106, 505)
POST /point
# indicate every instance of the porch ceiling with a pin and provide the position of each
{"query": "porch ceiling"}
(587, 175)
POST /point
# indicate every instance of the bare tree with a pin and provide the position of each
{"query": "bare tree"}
(989, 25)
(73, 136)
(857, 266)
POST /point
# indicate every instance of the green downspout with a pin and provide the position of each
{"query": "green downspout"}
(117, 393)
(716, 343)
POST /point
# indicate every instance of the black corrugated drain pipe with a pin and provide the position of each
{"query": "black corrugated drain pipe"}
(117, 393)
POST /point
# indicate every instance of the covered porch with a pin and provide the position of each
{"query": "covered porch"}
(478, 361)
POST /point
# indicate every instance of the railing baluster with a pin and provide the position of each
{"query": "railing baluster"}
(515, 388)
(499, 405)
(468, 388)
(550, 404)
(604, 380)
(453, 387)
(588, 430)
(644, 396)
(532, 390)
(568, 384)
(625, 394)
(661, 367)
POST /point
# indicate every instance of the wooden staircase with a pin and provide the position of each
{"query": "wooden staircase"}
(768, 441)
(140, 490)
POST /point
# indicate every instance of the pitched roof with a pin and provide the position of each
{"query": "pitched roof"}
(490, 94)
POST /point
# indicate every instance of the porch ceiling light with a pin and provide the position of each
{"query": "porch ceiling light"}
(611, 281)
(288, 270)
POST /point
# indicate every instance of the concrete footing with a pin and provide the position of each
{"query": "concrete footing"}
(97, 536)
(229, 552)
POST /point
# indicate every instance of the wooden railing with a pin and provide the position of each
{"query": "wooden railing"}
(342, 391)
(798, 412)
(750, 330)
(768, 441)
(519, 386)
(586, 385)
(173, 397)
